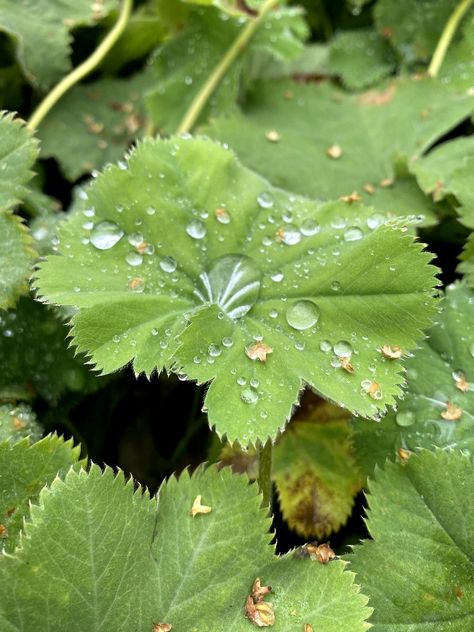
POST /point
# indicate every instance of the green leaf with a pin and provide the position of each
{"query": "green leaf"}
(418, 569)
(360, 58)
(457, 70)
(34, 358)
(18, 422)
(413, 27)
(16, 259)
(447, 170)
(18, 151)
(182, 65)
(441, 371)
(466, 266)
(26, 469)
(89, 543)
(315, 471)
(40, 32)
(400, 119)
(94, 124)
(185, 260)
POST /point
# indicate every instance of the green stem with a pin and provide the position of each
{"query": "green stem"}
(83, 69)
(446, 36)
(265, 473)
(222, 67)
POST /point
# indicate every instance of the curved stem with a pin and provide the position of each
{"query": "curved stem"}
(446, 37)
(222, 67)
(83, 69)
(265, 473)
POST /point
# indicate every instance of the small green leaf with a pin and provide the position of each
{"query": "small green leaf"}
(360, 58)
(315, 472)
(440, 380)
(16, 259)
(94, 124)
(186, 260)
(466, 266)
(26, 469)
(98, 556)
(18, 422)
(356, 148)
(34, 358)
(418, 569)
(40, 32)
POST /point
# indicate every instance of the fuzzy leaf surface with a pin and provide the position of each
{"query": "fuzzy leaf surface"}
(192, 293)
(418, 569)
(112, 561)
(94, 124)
(398, 120)
(16, 258)
(441, 371)
(34, 357)
(26, 469)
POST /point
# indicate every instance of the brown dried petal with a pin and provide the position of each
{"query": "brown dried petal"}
(320, 552)
(162, 627)
(392, 352)
(261, 613)
(258, 351)
(197, 508)
(452, 412)
(259, 591)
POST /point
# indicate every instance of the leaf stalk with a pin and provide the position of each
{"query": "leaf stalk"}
(446, 37)
(83, 69)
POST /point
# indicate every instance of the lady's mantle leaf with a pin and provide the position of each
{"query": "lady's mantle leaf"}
(466, 266)
(26, 469)
(418, 570)
(18, 422)
(438, 409)
(16, 258)
(186, 260)
(110, 562)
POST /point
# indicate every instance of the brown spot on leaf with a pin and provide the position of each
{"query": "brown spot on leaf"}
(378, 97)
(258, 351)
(351, 198)
(198, 508)
(404, 454)
(386, 182)
(92, 125)
(258, 591)
(346, 364)
(369, 188)
(3, 531)
(392, 352)
(280, 234)
(460, 381)
(137, 283)
(257, 610)
(17, 423)
(452, 412)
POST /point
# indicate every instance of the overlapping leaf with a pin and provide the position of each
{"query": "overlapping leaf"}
(438, 409)
(16, 259)
(40, 32)
(466, 266)
(26, 469)
(34, 357)
(418, 569)
(109, 562)
(188, 261)
(95, 124)
(332, 143)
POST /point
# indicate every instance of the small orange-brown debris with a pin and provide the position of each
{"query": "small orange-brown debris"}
(346, 364)
(369, 188)
(258, 591)
(372, 389)
(133, 123)
(18, 424)
(280, 234)
(352, 197)
(460, 381)
(459, 592)
(307, 627)
(258, 351)
(142, 247)
(137, 283)
(334, 151)
(259, 612)
(162, 627)
(386, 182)
(288, 94)
(102, 144)
(321, 553)
(221, 214)
(387, 32)
(393, 352)
(377, 97)
(404, 455)
(3, 531)
(198, 509)
(452, 412)
(92, 125)
(273, 136)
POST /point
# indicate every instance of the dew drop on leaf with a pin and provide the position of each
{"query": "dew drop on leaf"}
(265, 200)
(105, 235)
(277, 277)
(325, 346)
(405, 418)
(249, 395)
(343, 349)
(196, 229)
(290, 235)
(302, 315)
(168, 264)
(309, 227)
(353, 234)
(214, 351)
(375, 220)
(227, 342)
(134, 258)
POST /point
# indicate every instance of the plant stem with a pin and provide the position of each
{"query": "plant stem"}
(265, 473)
(83, 69)
(446, 37)
(222, 67)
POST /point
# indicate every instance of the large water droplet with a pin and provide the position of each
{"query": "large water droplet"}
(405, 418)
(353, 234)
(196, 229)
(291, 235)
(342, 349)
(325, 346)
(168, 264)
(265, 200)
(249, 395)
(134, 258)
(310, 227)
(232, 283)
(277, 277)
(105, 235)
(302, 315)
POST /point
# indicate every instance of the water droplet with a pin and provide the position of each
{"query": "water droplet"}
(310, 227)
(277, 277)
(405, 418)
(227, 342)
(290, 235)
(249, 395)
(154, 332)
(302, 315)
(197, 360)
(342, 349)
(232, 283)
(335, 286)
(137, 285)
(168, 264)
(150, 210)
(338, 222)
(136, 240)
(134, 258)
(241, 381)
(325, 346)
(299, 346)
(214, 351)
(273, 313)
(254, 382)
(105, 235)
(222, 216)
(196, 229)
(376, 220)
(116, 338)
(265, 200)
(353, 234)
